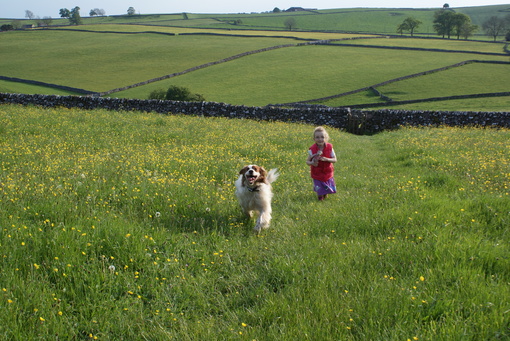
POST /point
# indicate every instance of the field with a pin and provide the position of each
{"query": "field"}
(380, 20)
(106, 54)
(122, 225)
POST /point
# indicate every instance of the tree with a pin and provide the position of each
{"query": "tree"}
(446, 6)
(468, 29)
(409, 24)
(97, 11)
(276, 10)
(29, 14)
(75, 18)
(494, 26)
(290, 23)
(16, 24)
(444, 22)
(64, 13)
(131, 11)
(459, 20)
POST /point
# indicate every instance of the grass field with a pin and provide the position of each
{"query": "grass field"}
(90, 59)
(108, 54)
(380, 20)
(317, 71)
(122, 225)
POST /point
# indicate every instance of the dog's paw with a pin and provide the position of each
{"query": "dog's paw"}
(260, 226)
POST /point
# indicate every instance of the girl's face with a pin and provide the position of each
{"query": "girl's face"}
(319, 138)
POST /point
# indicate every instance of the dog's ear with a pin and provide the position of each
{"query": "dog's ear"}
(244, 170)
(263, 174)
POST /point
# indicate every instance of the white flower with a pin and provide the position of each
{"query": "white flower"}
(111, 268)
(157, 215)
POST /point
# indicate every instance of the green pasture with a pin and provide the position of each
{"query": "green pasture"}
(100, 62)
(367, 20)
(247, 33)
(97, 61)
(311, 72)
(468, 104)
(475, 77)
(362, 20)
(479, 14)
(124, 226)
(22, 88)
(371, 20)
(438, 44)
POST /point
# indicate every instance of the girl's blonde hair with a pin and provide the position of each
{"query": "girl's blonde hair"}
(322, 130)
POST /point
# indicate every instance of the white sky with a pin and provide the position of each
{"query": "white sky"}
(50, 8)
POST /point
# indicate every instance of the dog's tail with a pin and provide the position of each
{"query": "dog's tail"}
(272, 175)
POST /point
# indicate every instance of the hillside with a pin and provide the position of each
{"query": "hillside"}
(237, 62)
(361, 20)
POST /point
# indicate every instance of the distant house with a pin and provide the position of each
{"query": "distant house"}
(28, 26)
(300, 9)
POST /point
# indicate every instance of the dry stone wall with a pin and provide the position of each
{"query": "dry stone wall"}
(354, 121)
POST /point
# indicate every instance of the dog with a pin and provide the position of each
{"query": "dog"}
(254, 192)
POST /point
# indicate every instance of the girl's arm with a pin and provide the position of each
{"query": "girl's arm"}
(331, 159)
(310, 159)
(328, 159)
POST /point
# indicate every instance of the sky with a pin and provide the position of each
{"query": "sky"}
(50, 8)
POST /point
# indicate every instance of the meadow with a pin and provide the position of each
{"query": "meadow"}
(106, 54)
(123, 225)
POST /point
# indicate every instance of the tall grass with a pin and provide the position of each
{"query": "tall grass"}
(121, 225)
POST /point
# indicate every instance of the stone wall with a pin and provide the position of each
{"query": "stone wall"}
(354, 121)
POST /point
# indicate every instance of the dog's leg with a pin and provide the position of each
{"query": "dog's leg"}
(264, 219)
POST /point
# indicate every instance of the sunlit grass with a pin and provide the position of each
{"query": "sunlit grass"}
(117, 225)
(311, 72)
(91, 63)
(292, 74)
(444, 44)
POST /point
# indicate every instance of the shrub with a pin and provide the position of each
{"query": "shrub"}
(176, 93)
(6, 27)
(180, 93)
(158, 94)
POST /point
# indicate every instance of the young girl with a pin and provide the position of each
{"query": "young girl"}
(321, 157)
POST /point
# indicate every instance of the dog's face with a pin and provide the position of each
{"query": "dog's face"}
(252, 174)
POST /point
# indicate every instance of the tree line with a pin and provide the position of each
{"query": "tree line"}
(448, 23)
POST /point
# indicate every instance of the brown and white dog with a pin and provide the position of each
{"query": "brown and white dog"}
(254, 192)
